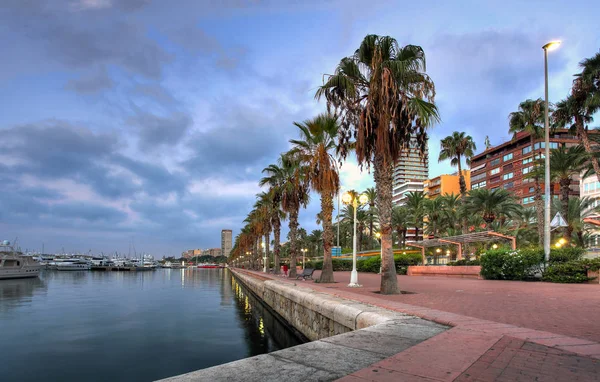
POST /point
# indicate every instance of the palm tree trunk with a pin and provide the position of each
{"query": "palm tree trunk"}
(404, 237)
(585, 139)
(327, 211)
(539, 203)
(461, 179)
(276, 244)
(383, 183)
(371, 226)
(267, 254)
(564, 201)
(293, 241)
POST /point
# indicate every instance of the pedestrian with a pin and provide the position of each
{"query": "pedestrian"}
(285, 270)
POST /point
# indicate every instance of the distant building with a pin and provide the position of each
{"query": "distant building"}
(411, 170)
(446, 184)
(188, 254)
(214, 252)
(506, 165)
(226, 242)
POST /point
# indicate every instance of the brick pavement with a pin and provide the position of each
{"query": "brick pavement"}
(495, 335)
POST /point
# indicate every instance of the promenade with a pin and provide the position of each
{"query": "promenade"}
(501, 330)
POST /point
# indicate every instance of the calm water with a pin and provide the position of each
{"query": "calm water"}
(96, 326)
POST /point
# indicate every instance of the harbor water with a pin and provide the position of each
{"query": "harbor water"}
(122, 326)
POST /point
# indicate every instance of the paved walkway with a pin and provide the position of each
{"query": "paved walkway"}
(503, 331)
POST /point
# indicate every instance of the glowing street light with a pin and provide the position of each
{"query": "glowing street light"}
(547, 47)
(355, 200)
(303, 250)
(495, 246)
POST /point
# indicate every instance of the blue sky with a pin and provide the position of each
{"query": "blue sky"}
(150, 121)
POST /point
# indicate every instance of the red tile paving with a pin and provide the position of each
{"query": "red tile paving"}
(502, 331)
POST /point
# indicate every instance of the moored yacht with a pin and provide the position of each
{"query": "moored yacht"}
(73, 265)
(14, 265)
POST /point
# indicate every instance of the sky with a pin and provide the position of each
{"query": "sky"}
(149, 122)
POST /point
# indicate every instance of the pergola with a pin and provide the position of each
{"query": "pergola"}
(460, 240)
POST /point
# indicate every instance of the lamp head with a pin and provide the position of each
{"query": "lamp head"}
(363, 199)
(495, 246)
(552, 45)
(378, 234)
(562, 241)
(347, 197)
(438, 250)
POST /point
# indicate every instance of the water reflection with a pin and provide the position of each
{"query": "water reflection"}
(13, 292)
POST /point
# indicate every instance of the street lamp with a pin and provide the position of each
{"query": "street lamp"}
(354, 200)
(248, 253)
(549, 46)
(303, 250)
(378, 236)
(264, 247)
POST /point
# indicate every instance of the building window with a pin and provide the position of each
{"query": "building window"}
(531, 189)
(478, 177)
(526, 150)
(495, 171)
(495, 162)
(527, 170)
(507, 157)
(528, 180)
(507, 176)
(509, 185)
(527, 160)
(478, 185)
(495, 180)
(528, 200)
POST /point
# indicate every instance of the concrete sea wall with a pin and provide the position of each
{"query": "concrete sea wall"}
(315, 315)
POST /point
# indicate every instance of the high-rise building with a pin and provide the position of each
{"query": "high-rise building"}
(446, 184)
(226, 242)
(411, 170)
(507, 165)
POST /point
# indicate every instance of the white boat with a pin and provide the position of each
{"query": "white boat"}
(73, 265)
(14, 265)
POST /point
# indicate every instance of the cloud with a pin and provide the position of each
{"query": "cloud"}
(91, 83)
(155, 130)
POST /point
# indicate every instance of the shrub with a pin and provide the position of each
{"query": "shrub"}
(502, 264)
(464, 262)
(563, 255)
(574, 271)
(372, 264)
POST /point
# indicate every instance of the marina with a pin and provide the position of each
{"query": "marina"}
(135, 326)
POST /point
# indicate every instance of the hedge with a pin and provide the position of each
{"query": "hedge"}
(463, 262)
(565, 265)
(371, 264)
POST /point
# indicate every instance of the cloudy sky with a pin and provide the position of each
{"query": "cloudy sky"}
(150, 121)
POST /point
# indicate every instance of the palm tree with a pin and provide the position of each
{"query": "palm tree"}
(579, 209)
(372, 195)
(450, 213)
(415, 201)
(384, 99)
(434, 210)
(289, 175)
(564, 163)
(274, 196)
(400, 221)
(576, 111)
(530, 119)
(316, 240)
(491, 205)
(263, 208)
(455, 147)
(315, 149)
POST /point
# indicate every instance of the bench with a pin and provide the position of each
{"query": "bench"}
(306, 274)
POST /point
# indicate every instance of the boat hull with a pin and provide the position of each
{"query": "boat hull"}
(22, 273)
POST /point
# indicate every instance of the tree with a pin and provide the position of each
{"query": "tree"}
(491, 205)
(273, 180)
(576, 111)
(579, 209)
(384, 99)
(434, 210)
(529, 118)
(564, 163)
(400, 221)
(372, 195)
(290, 177)
(415, 201)
(455, 147)
(315, 150)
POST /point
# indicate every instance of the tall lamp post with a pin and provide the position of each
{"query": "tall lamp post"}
(303, 250)
(378, 236)
(355, 200)
(248, 253)
(549, 46)
(264, 248)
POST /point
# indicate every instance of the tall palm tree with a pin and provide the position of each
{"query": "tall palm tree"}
(455, 147)
(400, 221)
(273, 181)
(529, 118)
(589, 81)
(579, 209)
(290, 177)
(564, 163)
(450, 212)
(372, 195)
(315, 150)
(434, 210)
(384, 99)
(491, 205)
(415, 202)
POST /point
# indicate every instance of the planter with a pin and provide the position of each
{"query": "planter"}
(595, 275)
(463, 271)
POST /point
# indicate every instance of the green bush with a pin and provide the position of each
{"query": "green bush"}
(574, 271)
(464, 262)
(502, 264)
(563, 255)
(372, 264)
